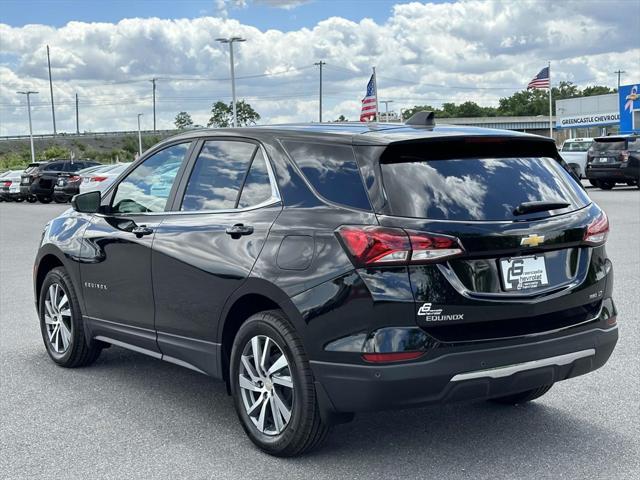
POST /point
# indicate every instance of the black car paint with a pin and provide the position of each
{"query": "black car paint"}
(191, 277)
(614, 170)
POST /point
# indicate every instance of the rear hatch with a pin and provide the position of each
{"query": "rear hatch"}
(27, 176)
(606, 152)
(518, 220)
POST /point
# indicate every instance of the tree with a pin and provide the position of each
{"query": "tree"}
(183, 120)
(222, 114)
(597, 90)
(342, 118)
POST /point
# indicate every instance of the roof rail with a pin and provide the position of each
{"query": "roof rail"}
(422, 119)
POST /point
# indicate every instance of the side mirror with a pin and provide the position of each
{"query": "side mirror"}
(88, 202)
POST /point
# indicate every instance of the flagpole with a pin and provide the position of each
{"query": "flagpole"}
(550, 105)
(375, 90)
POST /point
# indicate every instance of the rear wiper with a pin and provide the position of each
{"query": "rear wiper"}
(531, 207)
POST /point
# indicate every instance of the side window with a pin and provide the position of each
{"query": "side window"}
(53, 167)
(217, 175)
(333, 172)
(147, 188)
(257, 187)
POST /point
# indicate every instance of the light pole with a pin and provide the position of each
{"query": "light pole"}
(28, 93)
(320, 64)
(386, 108)
(139, 137)
(233, 75)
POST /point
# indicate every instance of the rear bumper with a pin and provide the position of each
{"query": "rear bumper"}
(66, 192)
(470, 375)
(614, 174)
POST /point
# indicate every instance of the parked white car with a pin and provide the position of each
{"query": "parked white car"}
(574, 153)
(10, 186)
(102, 178)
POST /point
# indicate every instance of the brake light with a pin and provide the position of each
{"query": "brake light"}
(391, 357)
(74, 178)
(98, 179)
(428, 247)
(597, 231)
(7, 183)
(370, 246)
(376, 245)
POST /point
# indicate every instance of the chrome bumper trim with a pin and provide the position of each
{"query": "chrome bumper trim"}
(505, 371)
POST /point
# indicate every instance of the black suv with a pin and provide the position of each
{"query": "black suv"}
(322, 270)
(612, 160)
(43, 179)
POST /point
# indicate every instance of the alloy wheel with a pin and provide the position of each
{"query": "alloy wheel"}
(266, 385)
(57, 318)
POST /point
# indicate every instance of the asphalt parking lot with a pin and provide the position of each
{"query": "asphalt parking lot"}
(130, 416)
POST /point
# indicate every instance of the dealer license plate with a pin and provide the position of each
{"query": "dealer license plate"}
(523, 273)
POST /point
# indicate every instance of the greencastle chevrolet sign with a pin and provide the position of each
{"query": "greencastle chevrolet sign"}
(588, 120)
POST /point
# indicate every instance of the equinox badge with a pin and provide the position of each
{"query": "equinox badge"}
(532, 240)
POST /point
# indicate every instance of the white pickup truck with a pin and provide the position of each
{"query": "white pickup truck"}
(574, 153)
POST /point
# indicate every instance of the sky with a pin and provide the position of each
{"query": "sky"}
(107, 52)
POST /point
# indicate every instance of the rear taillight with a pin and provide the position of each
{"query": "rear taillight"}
(371, 246)
(98, 179)
(427, 247)
(597, 231)
(74, 178)
(7, 183)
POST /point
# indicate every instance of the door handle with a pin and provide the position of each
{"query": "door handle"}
(238, 230)
(141, 230)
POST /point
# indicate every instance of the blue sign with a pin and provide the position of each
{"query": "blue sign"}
(629, 96)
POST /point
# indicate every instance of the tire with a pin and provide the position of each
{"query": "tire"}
(32, 199)
(68, 348)
(18, 199)
(594, 183)
(304, 430)
(523, 397)
(43, 199)
(59, 200)
(606, 185)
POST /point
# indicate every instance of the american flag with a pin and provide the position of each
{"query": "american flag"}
(370, 102)
(541, 80)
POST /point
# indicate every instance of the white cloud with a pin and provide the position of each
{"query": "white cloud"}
(485, 49)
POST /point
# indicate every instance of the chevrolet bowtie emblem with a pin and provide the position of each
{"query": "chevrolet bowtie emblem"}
(532, 240)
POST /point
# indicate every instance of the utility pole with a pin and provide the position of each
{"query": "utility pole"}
(320, 64)
(619, 72)
(53, 109)
(233, 75)
(153, 81)
(386, 108)
(77, 116)
(139, 137)
(28, 93)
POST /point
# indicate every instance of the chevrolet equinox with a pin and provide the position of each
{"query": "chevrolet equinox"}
(323, 270)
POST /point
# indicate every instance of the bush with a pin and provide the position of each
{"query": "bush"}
(55, 151)
(13, 161)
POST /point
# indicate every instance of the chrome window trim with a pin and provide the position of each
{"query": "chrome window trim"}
(275, 193)
(272, 201)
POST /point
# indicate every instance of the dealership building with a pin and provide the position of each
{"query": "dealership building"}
(594, 116)
(588, 116)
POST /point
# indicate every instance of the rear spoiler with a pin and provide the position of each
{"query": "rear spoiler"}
(458, 147)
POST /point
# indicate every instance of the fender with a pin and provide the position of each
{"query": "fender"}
(259, 286)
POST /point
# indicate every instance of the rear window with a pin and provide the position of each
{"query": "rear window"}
(476, 188)
(332, 171)
(608, 145)
(576, 146)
